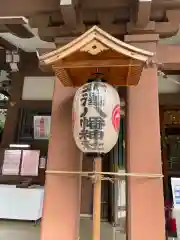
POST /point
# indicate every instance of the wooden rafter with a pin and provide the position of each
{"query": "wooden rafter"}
(6, 45)
(63, 34)
(173, 15)
(68, 10)
(167, 29)
(29, 8)
(133, 28)
(13, 20)
(61, 41)
(143, 12)
(19, 30)
(16, 26)
(39, 20)
(98, 63)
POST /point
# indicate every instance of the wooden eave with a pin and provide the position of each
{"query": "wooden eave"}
(94, 51)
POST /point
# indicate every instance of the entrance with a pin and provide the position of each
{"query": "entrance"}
(170, 136)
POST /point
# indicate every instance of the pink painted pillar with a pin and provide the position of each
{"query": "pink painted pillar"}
(145, 195)
(62, 192)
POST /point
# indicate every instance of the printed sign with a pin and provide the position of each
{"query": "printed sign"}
(30, 163)
(42, 125)
(12, 159)
(175, 183)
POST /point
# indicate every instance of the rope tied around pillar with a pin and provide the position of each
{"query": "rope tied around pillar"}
(95, 178)
(105, 175)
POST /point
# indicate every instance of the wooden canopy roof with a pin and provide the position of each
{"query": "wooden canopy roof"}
(96, 51)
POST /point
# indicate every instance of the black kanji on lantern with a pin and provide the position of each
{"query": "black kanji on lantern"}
(91, 96)
(84, 98)
(97, 102)
(93, 146)
(85, 111)
(86, 134)
(96, 123)
(92, 134)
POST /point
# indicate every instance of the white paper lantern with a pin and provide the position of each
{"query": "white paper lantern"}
(96, 117)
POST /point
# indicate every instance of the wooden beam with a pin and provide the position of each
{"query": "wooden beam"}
(13, 20)
(16, 26)
(167, 4)
(143, 12)
(173, 15)
(164, 29)
(105, 17)
(132, 28)
(41, 51)
(68, 10)
(96, 63)
(3, 28)
(95, 4)
(168, 57)
(39, 20)
(61, 41)
(19, 30)
(6, 45)
(27, 8)
(63, 31)
(60, 31)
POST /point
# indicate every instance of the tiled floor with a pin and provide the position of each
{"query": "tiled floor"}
(27, 231)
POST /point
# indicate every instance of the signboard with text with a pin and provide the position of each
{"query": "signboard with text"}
(11, 165)
(42, 125)
(30, 163)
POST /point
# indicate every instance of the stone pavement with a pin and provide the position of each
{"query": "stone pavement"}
(28, 231)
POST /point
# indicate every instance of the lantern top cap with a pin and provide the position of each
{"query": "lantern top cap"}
(88, 38)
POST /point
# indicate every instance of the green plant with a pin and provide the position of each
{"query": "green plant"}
(1, 125)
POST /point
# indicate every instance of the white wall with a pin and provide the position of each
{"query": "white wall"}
(38, 88)
(171, 84)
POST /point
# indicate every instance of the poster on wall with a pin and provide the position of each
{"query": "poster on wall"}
(30, 163)
(175, 184)
(11, 165)
(42, 125)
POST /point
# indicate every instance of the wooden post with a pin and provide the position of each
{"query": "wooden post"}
(96, 233)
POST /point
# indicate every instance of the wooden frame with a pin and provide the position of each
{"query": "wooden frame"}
(96, 50)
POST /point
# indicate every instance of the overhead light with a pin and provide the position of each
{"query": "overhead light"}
(19, 146)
